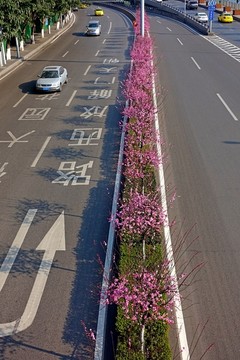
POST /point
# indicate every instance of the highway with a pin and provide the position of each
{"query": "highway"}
(58, 159)
(199, 114)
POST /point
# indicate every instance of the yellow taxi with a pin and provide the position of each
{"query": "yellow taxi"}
(225, 17)
(83, 6)
(99, 12)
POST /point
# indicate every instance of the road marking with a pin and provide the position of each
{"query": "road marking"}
(169, 29)
(41, 151)
(179, 41)
(65, 53)
(225, 46)
(76, 42)
(34, 114)
(53, 241)
(227, 107)
(16, 140)
(104, 41)
(179, 318)
(195, 63)
(159, 21)
(16, 245)
(70, 100)
(97, 53)
(9, 72)
(110, 27)
(88, 68)
(17, 103)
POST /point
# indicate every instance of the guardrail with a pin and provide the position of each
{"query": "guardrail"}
(168, 10)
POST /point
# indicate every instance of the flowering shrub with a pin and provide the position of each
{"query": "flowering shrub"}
(145, 296)
(140, 215)
(144, 291)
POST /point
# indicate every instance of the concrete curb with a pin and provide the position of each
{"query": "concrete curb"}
(18, 62)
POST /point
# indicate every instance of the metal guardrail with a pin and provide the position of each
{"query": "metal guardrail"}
(168, 10)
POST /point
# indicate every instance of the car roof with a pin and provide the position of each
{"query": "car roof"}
(52, 67)
(94, 22)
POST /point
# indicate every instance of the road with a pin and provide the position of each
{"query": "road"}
(199, 113)
(58, 158)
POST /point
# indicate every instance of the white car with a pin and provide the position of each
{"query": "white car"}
(201, 17)
(93, 28)
(52, 78)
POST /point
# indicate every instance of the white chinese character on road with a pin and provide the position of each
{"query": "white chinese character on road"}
(16, 140)
(100, 94)
(34, 114)
(86, 136)
(107, 70)
(69, 172)
(52, 96)
(110, 61)
(94, 111)
(96, 82)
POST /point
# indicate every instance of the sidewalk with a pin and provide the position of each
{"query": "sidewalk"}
(33, 49)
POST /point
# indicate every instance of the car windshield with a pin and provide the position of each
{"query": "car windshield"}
(94, 25)
(202, 14)
(49, 74)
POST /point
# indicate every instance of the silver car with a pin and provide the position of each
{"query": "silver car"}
(93, 28)
(52, 78)
(201, 17)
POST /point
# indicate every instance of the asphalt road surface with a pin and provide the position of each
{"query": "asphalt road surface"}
(199, 111)
(58, 158)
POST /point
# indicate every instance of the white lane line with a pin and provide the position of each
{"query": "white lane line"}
(41, 151)
(97, 53)
(16, 245)
(179, 41)
(110, 27)
(227, 107)
(88, 68)
(169, 29)
(9, 72)
(17, 103)
(65, 53)
(104, 41)
(159, 21)
(76, 42)
(179, 318)
(195, 63)
(70, 100)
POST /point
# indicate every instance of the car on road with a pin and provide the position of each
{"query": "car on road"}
(83, 6)
(99, 12)
(52, 79)
(225, 17)
(191, 4)
(201, 17)
(93, 28)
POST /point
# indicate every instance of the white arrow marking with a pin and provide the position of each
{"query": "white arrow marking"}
(16, 245)
(53, 241)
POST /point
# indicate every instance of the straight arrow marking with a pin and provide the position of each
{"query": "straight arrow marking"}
(53, 241)
(16, 245)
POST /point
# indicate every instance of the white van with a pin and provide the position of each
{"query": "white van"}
(192, 4)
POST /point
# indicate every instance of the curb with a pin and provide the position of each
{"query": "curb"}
(18, 62)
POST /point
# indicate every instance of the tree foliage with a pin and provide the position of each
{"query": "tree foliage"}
(16, 14)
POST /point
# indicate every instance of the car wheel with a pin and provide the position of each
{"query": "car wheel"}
(66, 81)
(60, 88)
